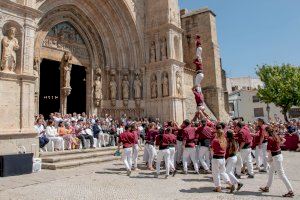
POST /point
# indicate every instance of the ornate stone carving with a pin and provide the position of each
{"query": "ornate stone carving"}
(125, 89)
(153, 84)
(178, 83)
(98, 90)
(36, 66)
(64, 37)
(9, 47)
(163, 49)
(165, 85)
(137, 84)
(66, 66)
(113, 90)
(152, 52)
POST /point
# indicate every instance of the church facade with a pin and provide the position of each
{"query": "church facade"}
(102, 57)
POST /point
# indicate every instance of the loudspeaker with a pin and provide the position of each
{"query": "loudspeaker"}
(16, 164)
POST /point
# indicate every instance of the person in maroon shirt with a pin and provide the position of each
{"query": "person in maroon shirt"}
(261, 148)
(127, 138)
(172, 146)
(204, 134)
(244, 139)
(219, 145)
(275, 160)
(134, 130)
(150, 138)
(163, 141)
(188, 145)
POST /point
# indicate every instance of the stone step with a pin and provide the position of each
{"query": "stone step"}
(76, 151)
(79, 155)
(76, 163)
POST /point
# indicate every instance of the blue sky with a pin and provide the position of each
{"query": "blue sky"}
(254, 32)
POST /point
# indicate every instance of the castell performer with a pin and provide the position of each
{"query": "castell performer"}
(151, 133)
(127, 138)
(219, 146)
(275, 160)
(198, 63)
(163, 141)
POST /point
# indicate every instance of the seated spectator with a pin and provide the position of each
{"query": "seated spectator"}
(52, 135)
(86, 133)
(40, 129)
(66, 134)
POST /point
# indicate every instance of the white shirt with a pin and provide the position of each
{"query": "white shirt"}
(40, 129)
(88, 131)
(51, 131)
(199, 53)
(119, 131)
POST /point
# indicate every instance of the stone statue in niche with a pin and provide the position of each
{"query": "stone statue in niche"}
(137, 84)
(163, 49)
(165, 85)
(98, 90)
(36, 65)
(125, 87)
(178, 83)
(9, 47)
(66, 67)
(113, 88)
(152, 52)
(153, 87)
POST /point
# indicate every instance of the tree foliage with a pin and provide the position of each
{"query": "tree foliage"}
(281, 86)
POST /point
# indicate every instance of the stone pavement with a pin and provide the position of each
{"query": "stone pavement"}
(108, 181)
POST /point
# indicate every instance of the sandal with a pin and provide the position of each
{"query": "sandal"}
(217, 189)
(289, 194)
(264, 189)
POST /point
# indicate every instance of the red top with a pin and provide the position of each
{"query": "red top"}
(199, 98)
(217, 149)
(163, 141)
(180, 134)
(273, 145)
(127, 138)
(173, 140)
(204, 132)
(189, 136)
(244, 135)
(262, 133)
(198, 64)
(150, 136)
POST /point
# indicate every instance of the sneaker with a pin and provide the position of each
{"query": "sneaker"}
(251, 176)
(128, 172)
(240, 185)
(264, 189)
(232, 188)
(238, 176)
(166, 176)
(263, 171)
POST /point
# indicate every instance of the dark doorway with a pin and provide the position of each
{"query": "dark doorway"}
(77, 98)
(49, 87)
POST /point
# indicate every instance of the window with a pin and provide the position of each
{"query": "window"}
(258, 112)
(255, 99)
(231, 107)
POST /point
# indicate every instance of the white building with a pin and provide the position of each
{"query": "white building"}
(243, 101)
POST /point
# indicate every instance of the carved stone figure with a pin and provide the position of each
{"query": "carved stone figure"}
(113, 88)
(125, 87)
(36, 65)
(178, 83)
(137, 84)
(67, 67)
(153, 87)
(9, 47)
(163, 49)
(98, 89)
(152, 52)
(165, 85)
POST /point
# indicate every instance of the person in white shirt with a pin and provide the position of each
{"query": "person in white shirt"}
(52, 135)
(86, 133)
(40, 129)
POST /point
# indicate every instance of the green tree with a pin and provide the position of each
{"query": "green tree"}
(281, 86)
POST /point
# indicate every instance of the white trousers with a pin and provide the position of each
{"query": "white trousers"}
(163, 154)
(230, 167)
(145, 155)
(219, 171)
(179, 151)
(258, 156)
(246, 157)
(199, 78)
(263, 155)
(127, 158)
(276, 165)
(172, 157)
(189, 153)
(135, 155)
(204, 157)
(58, 142)
(152, 153)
